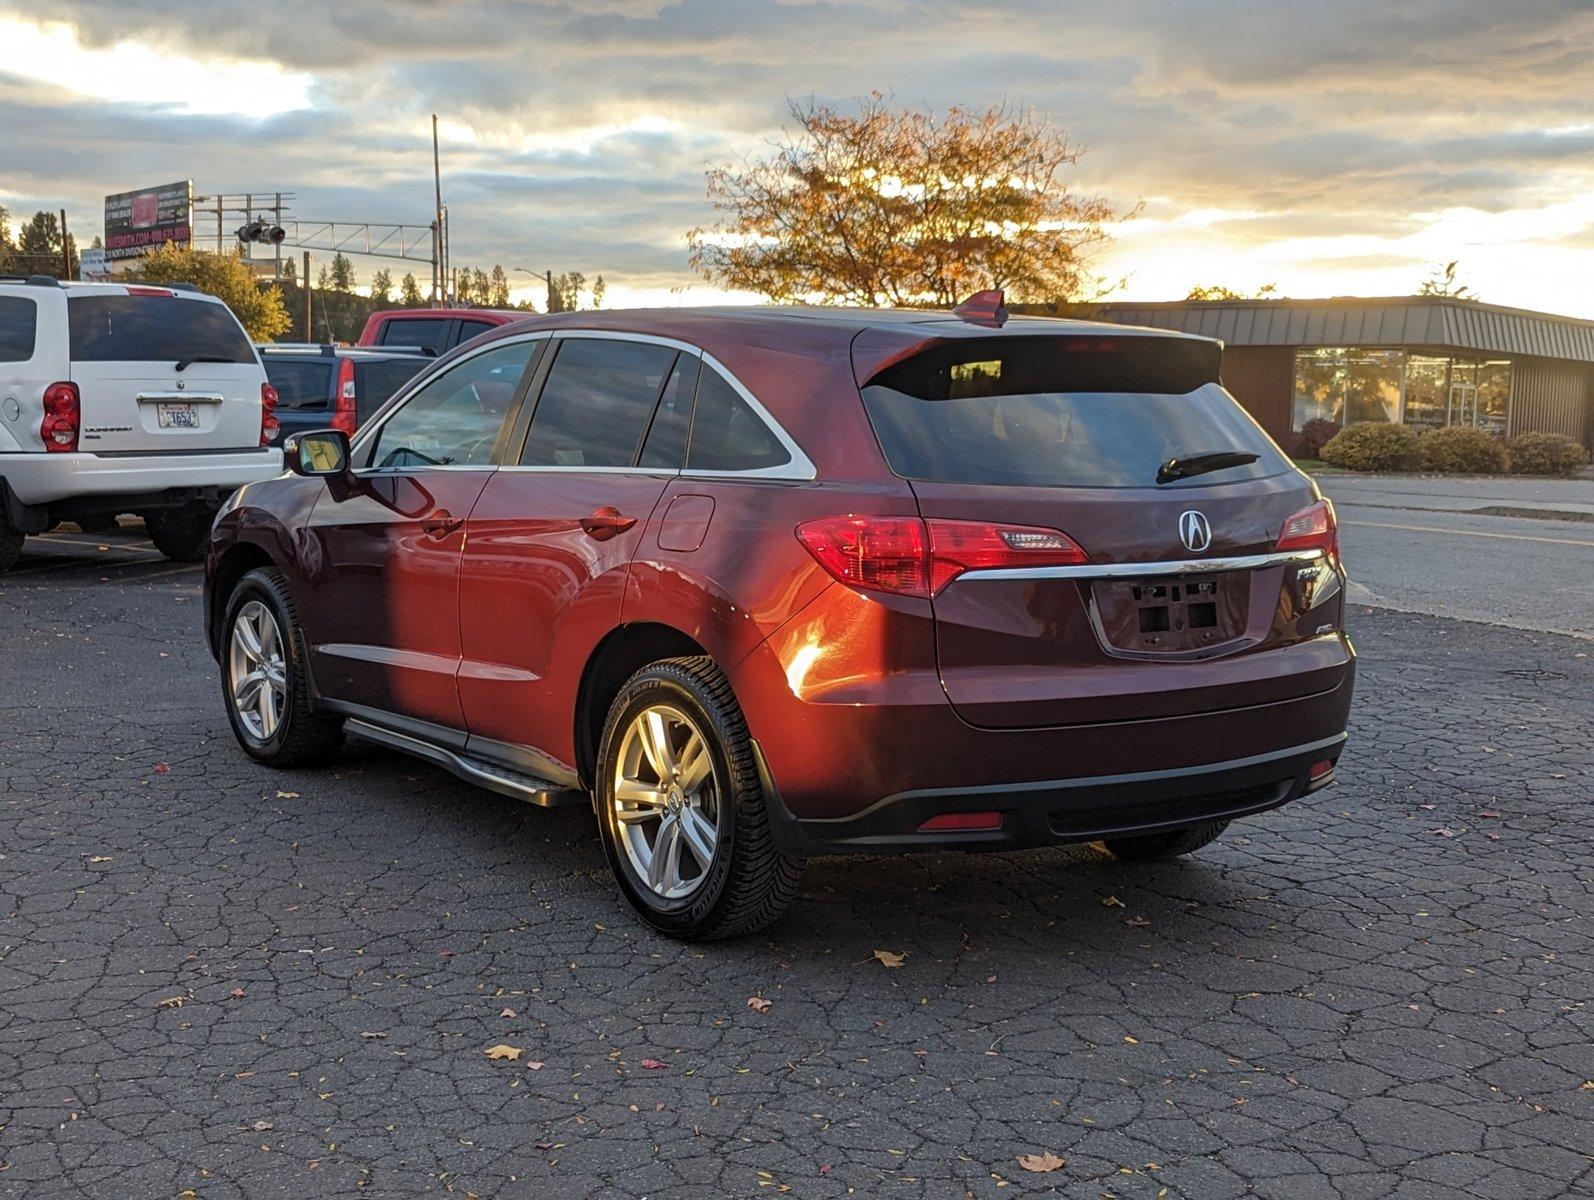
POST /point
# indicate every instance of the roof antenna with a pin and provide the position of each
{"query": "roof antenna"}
(983, 308)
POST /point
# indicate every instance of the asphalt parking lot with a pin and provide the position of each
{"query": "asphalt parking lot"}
(221, 981)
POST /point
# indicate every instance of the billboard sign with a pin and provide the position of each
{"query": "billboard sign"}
(137, 222)
(91, 264)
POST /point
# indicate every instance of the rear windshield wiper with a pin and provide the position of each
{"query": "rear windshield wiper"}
(1200, 464)
(184, 363)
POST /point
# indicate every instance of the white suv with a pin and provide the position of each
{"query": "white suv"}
(126, 399)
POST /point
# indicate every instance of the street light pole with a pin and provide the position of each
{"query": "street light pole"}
(437, 238)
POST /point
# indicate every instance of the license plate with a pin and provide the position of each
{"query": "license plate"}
(177, 416)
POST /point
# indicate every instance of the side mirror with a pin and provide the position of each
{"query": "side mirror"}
(319, 453)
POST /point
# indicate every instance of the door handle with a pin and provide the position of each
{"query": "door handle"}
(440, 523)
(605, 523)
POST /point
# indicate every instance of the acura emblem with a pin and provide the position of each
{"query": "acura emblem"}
(1195, 531)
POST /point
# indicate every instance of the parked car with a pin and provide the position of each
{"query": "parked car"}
(437, 330)
(768, 583)
(123, 398)
(337, 387)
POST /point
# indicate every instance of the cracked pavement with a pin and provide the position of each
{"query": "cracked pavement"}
(222, 981)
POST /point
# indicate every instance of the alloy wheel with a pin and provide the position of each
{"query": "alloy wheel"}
(667, 801)
(256, 672)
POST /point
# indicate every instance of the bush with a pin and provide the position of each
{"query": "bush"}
(1546, 454)
(1462, 450)
(1373, 447)
(1314, 435)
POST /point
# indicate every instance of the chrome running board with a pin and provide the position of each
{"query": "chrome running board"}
(503, 780)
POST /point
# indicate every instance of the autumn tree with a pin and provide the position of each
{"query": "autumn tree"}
(1219, 292)
(1441, 281)
(409, 291)
(901, 206)
(225, 276)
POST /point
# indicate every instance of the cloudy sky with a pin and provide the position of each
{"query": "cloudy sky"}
(1333, 147)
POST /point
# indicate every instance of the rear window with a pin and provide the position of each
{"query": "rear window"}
(1061, 412)
(429, 333)
(19, 324)
(154, 329)
(376, 382)
(300, 382)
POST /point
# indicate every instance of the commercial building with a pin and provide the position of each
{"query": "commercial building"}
(1422, 360)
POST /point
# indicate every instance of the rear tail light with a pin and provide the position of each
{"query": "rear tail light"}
(913, 557)
(343, 405)
(1318, 769)
(1313, 528)
(135, 290)
(62, 418)
(268, 414)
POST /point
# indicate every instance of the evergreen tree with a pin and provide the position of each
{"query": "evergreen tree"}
(498, 288)
(409, 292)
(342, 273)
(382, 286)
(39, 248)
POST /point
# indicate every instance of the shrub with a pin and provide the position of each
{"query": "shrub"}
(1462, 450)
(1314, 435)
(1373, 447)
(1546, 454)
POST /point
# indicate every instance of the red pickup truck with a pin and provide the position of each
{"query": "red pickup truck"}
(433, 330)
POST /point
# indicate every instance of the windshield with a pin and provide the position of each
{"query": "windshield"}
(112, 328)
(1062, 412)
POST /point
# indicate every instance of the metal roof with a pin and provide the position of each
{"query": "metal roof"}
(1429, 321)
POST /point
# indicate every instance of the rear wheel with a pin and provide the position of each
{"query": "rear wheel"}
(1151, 847)
(263, 677)
(683, 815)
(10, 545)
(181, 534)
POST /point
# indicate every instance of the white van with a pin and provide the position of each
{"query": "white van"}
(125, 398)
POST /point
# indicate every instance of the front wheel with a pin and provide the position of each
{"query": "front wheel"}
(181, 534)
(263, 677)
(1153, 847)
(685, 824)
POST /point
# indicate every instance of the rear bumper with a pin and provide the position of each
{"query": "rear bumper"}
(40, 478)
(1050, 812)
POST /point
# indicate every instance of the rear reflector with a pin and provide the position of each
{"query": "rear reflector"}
(1318, 769)
(962, 822)
(913, 557)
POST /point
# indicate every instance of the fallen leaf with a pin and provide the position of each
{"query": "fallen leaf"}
(1491, 813)
(1041, 1163)
(508, 1012)
(1112, 902)
(1137, 922)
(261, 1126)
(759, 1004)
(1588, 1086)
(653, 1064)
(512, 1053)
(172, 1002)
(889, 958)
(372, 1034)
(1427, 807)
(99, 858)
(237, 993)
(281, 795)
(1133, 1041)
(533, 1065)
(1443, 832)
(162, 768)
(824, 1168)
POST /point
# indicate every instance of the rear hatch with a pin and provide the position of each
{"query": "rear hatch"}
(1068, 434)
(160, 371)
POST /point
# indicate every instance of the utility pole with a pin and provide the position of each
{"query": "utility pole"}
(304, 282)
(548, 275)
(438, 278)
(66, 250)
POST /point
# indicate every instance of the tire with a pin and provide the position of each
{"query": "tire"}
(181, 534)
(1154, 847)
(10, 546)
(748, 883)
(299, 735)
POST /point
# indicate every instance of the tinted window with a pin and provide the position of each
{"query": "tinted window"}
(1061, 412)
(154, 329)
(666, 443)
(376, 381)
(455, 419)
(300, 382)
(19, 320)
(429, 333)
(470, 329)
(596, 403)
(727, 435)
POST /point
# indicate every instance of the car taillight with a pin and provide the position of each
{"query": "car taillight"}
(913, 557)
(62, 417)
(268, 414)
(1313, 528)
(343, 405)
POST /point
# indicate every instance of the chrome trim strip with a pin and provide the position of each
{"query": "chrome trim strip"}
(180, 397)
(1142, 570)
(800, 467)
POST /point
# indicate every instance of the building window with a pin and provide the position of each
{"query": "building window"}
(1352, 386)
(1346, 385)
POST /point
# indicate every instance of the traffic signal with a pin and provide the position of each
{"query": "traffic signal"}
(260, 231)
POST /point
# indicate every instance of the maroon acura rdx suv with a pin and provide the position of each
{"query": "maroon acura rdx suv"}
(764, 583)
